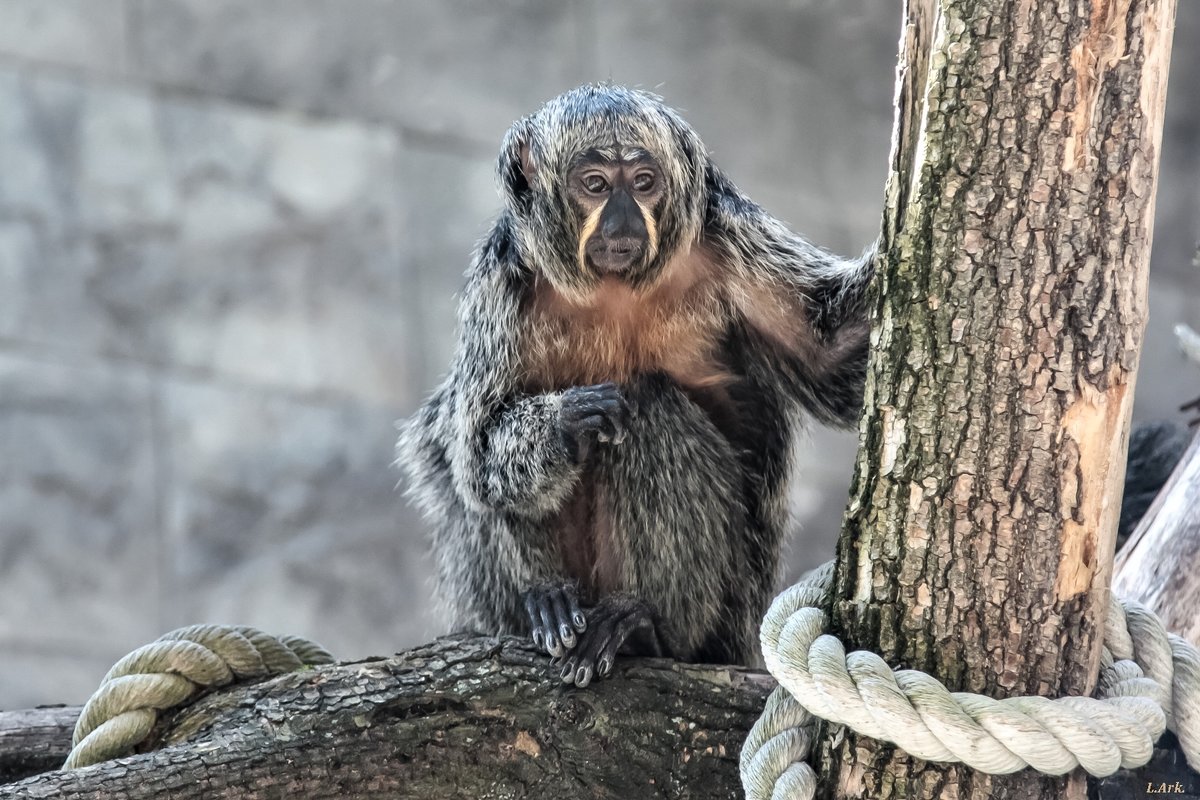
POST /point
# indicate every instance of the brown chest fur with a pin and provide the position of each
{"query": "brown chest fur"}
(615, 334)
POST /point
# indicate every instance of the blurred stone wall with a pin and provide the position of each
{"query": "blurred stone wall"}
(231, 232)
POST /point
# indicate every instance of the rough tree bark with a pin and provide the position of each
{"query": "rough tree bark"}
(460, 718)
(1007, 322)
(35, 740)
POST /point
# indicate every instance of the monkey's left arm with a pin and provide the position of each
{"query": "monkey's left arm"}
(806, 305)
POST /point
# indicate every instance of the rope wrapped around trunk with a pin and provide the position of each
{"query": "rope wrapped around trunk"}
(1149, 682)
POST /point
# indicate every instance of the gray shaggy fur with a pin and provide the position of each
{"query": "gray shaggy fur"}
(696, 509)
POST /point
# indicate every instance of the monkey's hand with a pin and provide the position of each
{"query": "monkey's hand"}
(554, 616)
(618, 622)
(593, 413)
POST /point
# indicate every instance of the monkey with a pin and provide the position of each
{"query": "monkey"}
(605, 465)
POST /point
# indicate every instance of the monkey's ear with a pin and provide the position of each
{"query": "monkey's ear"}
(516, 168)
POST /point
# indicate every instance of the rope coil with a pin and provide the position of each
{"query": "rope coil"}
(1149, 682)
(172, 670)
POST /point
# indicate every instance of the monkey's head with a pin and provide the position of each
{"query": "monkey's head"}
(603, 182)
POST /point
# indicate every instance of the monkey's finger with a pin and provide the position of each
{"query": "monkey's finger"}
(581, 401)
(624, 628)
(590, 643)
(535, 619)
(619, 414)
(599, 410)
(610, 428)
(576, 410)
(621, 435)
(601, 634)
(566, 633)
(567, 673)
(598, 424)
(553, 647)
(606, 395)
(616, 426)
(583, 675)
(577, 616)
(585, 670)
(614, 405)
(610, 433)
(592, 646)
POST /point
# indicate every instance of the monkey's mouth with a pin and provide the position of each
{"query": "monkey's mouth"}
(615, 257)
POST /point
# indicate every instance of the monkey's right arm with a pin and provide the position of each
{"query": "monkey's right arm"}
(808, 305)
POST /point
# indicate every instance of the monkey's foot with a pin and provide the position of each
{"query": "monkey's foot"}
(554, 616)
(615, 622)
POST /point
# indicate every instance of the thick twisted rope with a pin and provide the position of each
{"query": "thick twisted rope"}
(172, 670)
(1149, 681)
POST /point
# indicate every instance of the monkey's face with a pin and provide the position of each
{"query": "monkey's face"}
(603, 183)
(616, 197)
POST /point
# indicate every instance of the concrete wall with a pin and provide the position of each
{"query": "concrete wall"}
(230, 236)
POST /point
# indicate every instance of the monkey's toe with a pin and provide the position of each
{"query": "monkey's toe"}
(613, 624)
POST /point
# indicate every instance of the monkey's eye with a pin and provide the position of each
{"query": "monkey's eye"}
(643, 181)
(594, 183)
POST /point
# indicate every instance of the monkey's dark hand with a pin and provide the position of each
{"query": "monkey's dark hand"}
(554, 616)
(593, 413)
(617, 621)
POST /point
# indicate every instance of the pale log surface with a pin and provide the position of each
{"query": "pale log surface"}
(459, 718)
(1009, 310)
(35, 740)
(1160, 565)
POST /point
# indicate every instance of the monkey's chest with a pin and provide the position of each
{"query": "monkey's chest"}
(619, 342)
(583, 349)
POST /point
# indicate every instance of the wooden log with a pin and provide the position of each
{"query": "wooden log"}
(35, 740)
(463, 717)
(1160, 565)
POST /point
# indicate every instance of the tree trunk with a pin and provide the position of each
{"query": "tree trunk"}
(1008, 316)
(1160, 565)
(460, 718)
